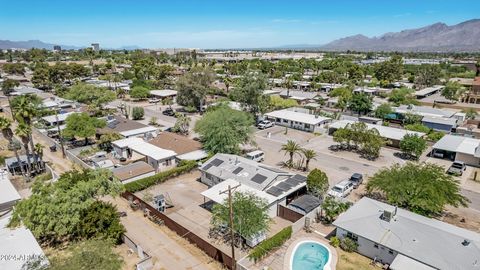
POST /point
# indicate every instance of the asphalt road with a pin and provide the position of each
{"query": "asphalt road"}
(474, 198)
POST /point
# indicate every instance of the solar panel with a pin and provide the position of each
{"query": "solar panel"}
(258, 178)
(208, 166)
(237, 170)
(300, 178)
(284, 186)
(216, 162)
(275, 191)
(292, 181)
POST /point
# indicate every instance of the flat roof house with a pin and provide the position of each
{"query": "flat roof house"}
(52, 120)
(300, 96)
(298, 119)
(133, 172)
(277, 187)
(458, 148)
(18, 246)
(405, 240)
(440, 123)
(138, 149)
(9, 196)
(128, 128)
(165, 93)
(186, 149)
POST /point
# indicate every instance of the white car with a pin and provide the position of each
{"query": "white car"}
(264, 124)
(341, 190)
(154, 100)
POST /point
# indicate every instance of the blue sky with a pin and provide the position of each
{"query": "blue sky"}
(219, 24)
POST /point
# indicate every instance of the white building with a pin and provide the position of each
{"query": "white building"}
(298, 119)
(9, 196)
(137, 149)
(458, 148)
(407, 241)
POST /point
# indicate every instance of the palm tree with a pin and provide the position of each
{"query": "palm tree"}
(7, 133)
(25, 111)
(39, 152)
(291, 148)
(309, 154)
(23, 131)
(227, 81)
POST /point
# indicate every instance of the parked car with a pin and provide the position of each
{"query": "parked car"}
(265, 124)
(356, 179)
(153, 100)
(256, 155)
(341, 190)
(168, 112)
(457, 168)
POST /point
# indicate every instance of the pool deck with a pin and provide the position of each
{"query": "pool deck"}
(280, 259)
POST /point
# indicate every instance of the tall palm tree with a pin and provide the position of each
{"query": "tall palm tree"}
(39, 152)
(7, 133)
(291, 148)
(309, 154)
(26, 109)
(23, 131)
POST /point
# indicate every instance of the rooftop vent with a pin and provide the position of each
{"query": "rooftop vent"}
(389, 214)
(465, 243)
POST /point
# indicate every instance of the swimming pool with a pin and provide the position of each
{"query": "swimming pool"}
(310, 255)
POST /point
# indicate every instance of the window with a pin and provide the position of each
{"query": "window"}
(307, 126)
(352, 236)
(168, 162)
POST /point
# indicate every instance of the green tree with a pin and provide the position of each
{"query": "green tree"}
(277, 103)
(90, 95)
(360, 103)
(8, 87)
(138, 113)
(5, 126)
(101, 220)
(308, 154)
(452, 90)
(383, 110)
(332, 208)
(344, 96)
(249, 92)
(418, 128)
(105, 142)
(291, 148)
(250, 214)
(423, 188)
(193, 86)
(55, 211)
(182, 124)
(139, 92)
(389, 71)
(95, 254)
(82, 125)
(470, 113)
(24, 131)
(222, 130)
(428, 75)
(413, 145)
(317, 183)
(403, 96)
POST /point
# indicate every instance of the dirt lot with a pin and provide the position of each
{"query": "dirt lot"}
(353, 261)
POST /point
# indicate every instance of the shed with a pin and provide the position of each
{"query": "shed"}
(305, 204)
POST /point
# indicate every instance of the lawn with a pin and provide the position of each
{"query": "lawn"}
(353, 261)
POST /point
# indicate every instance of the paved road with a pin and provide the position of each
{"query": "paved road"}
(474, 198)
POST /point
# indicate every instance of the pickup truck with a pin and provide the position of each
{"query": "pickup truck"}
(457, 168)
(341, 190)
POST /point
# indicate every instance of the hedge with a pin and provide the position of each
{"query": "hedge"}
(160, 177)
(270, 244)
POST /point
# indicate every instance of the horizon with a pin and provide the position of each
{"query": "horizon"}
(217, 25)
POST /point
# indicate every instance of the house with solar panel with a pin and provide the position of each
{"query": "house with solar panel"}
(277, 187)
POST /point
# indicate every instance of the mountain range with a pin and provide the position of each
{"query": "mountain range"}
(438, 37)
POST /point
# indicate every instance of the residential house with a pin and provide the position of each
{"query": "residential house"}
(14, 167)
(277, 187)
(133, 171)
(18, 247)
(137, 149)
(301, 97)
(473, 96)
(54, 120)
(9, 196)
(127, 128)
(425, 92)
(163, 94)
(298, 118)
(406, 240)
(186, 149)
(458, 148)
(440, 123)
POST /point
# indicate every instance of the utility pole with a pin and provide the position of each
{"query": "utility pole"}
(59, 134)
(232, 232)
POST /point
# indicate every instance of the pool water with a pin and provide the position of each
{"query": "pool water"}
(310, 256)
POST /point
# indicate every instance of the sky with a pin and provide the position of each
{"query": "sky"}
(219, 24)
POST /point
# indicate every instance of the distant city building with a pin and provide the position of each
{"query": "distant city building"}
(96, 47)
(57, 48)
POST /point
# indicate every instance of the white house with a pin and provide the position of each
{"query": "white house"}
(298, 119)
(458, 148)
(405, 240)
(137, 149)
(133, 172)
(272, 184)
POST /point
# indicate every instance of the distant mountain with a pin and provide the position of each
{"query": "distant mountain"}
(437, 37)
(8, 44)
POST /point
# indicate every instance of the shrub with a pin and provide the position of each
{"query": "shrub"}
(418, 128)
(138, 113)
(348, 244)
(160, 177)
(334, 241)
(270, 244)
(435, 136)
(190, 109)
